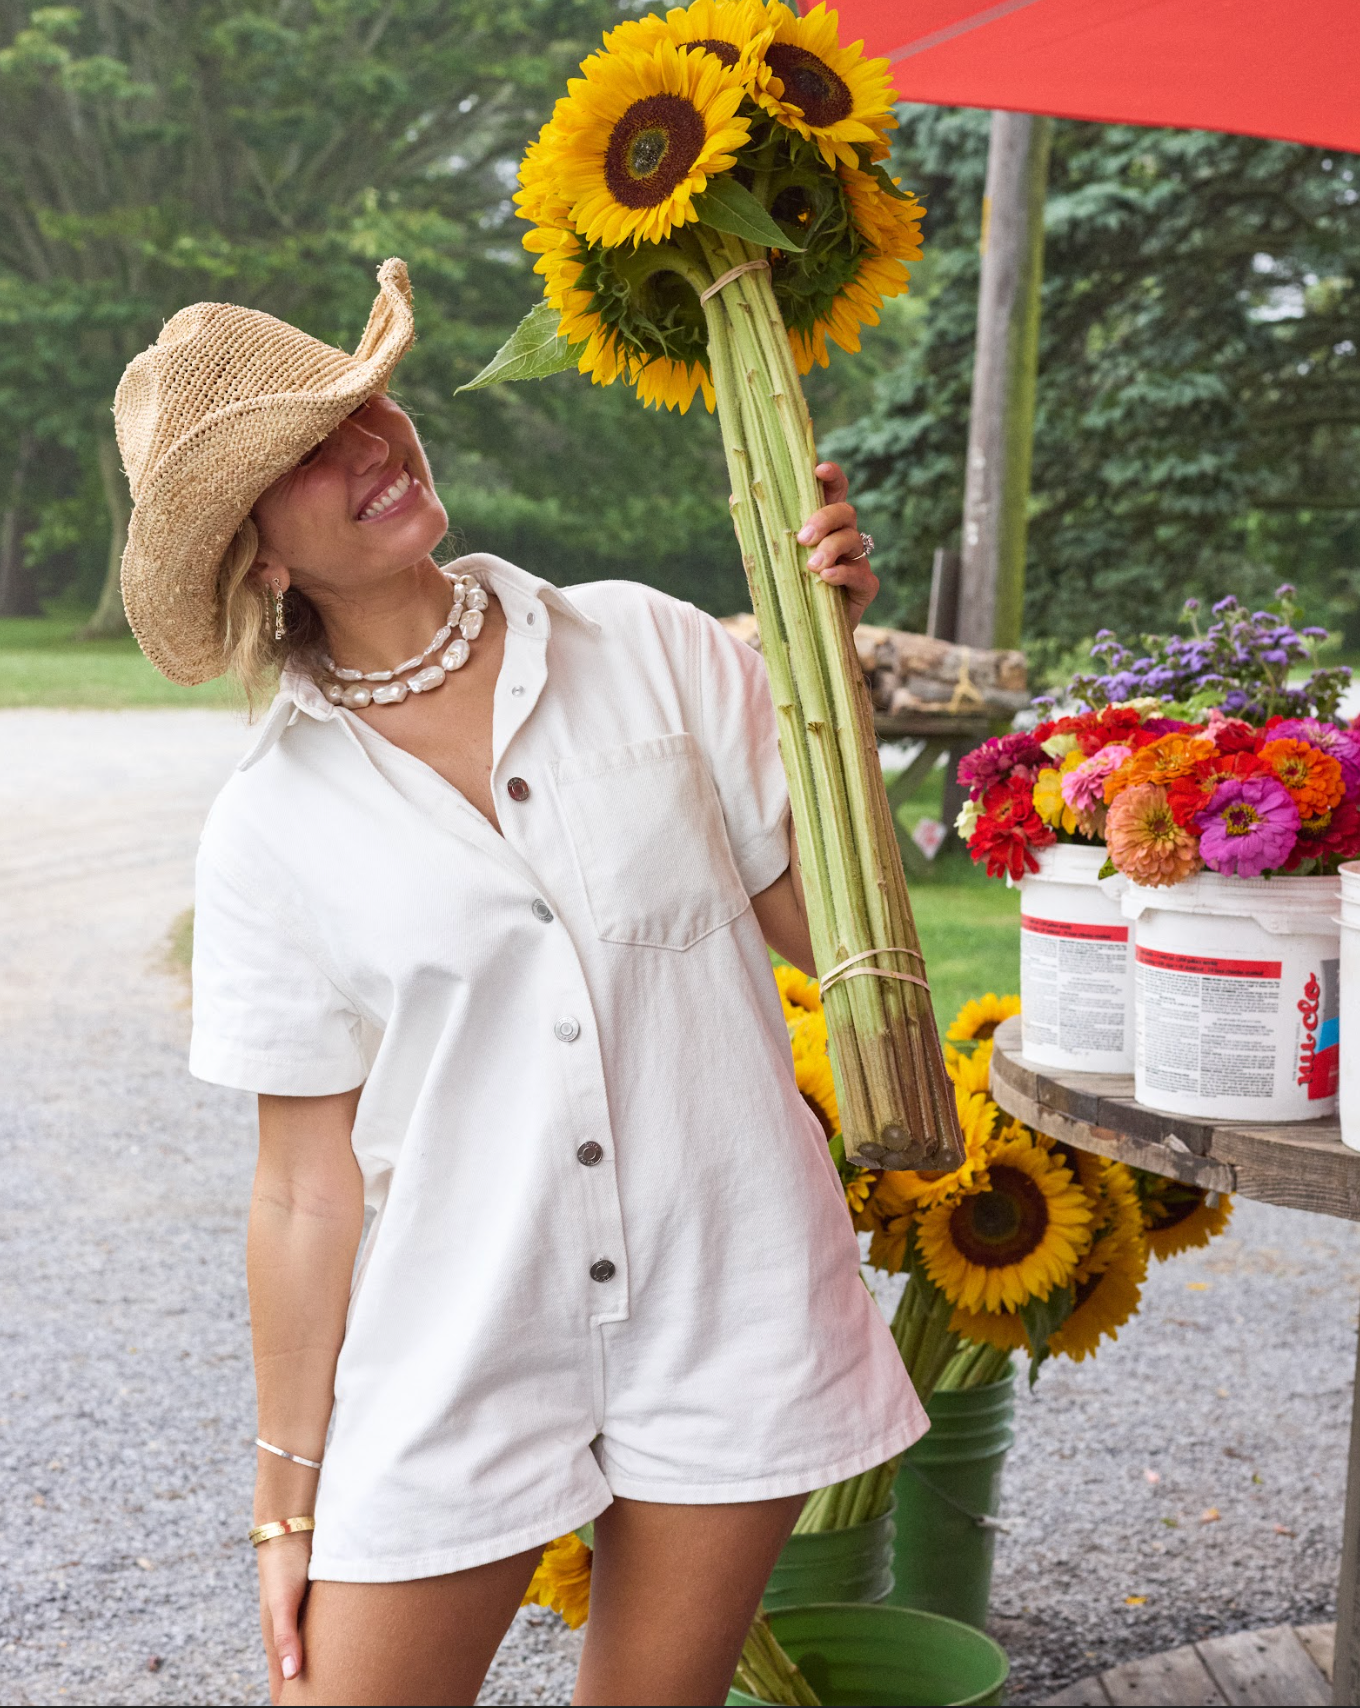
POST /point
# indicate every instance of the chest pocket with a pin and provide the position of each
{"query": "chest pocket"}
(651, 842)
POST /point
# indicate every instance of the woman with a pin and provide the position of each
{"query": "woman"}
(482, 919)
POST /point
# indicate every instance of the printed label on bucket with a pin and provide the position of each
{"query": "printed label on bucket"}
(1320, 1015)
(1209, 1023)
(1075, 983)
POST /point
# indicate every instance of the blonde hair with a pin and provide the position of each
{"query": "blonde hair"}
(250, 654)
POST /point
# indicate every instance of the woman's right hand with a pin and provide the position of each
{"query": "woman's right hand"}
(283, 1566)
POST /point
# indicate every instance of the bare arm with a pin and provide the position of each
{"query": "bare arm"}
(782, 912)
(306, 1216)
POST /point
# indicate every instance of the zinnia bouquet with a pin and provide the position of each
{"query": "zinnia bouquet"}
(709, 208)
(1032, 788)
(1242, 801)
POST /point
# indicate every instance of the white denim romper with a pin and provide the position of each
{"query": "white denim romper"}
(609, 1252)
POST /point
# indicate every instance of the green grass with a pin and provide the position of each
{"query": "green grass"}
(968, 922)
(43, 664)
(970, 933)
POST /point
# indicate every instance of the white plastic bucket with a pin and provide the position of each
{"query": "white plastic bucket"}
(1349, 1031)
(1236, 997)
(1076, 964)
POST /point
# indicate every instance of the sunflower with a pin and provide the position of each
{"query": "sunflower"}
(900, 1195)
(1018, 1237)
(812, 1068)
(561, 1580)
(857, 1191)
(636, 139)
(972, 1072)
(1178, 1217)
(799, 994)
(882, 233)
(600, 294)
(1105, 1297)
(735, 32)
(1003, 1329)
(829, 94)
(981, 1017)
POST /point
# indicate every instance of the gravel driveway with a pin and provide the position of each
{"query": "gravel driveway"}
(126, 1416)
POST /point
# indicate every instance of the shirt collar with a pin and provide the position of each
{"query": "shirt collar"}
(522, 597)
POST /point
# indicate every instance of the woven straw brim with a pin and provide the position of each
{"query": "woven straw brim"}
(206, 484)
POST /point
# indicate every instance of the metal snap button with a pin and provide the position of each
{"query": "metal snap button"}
(590, 1153)
(517, 689)
(542, 910)
(603, 1270)
(517, 789)
(567, 1029)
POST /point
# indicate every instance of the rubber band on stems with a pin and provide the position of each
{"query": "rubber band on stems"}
(728, 276)
(849, 969)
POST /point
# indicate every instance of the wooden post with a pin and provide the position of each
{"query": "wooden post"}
(943, 624)
(1001, 427)
(1346, 1667)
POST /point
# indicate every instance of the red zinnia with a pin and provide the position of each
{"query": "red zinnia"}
(1009, 829)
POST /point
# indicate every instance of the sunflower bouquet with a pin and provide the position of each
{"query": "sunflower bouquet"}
(709, 210)
(1029, 1246)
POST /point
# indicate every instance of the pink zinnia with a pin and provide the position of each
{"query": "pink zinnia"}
(1083, 787)
(1250, 826)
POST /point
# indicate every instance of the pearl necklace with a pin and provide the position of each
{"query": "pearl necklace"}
(469, 603)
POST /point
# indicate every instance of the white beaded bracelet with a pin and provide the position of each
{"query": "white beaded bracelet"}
(297, 1459)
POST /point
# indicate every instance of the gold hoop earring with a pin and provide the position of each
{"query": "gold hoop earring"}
(278, 612)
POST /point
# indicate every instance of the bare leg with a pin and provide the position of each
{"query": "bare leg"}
(672, 1595)
(427, 1641)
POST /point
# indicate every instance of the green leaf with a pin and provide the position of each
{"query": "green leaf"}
(533, 350)
(1042, 1318)
(1108, 870)
(728, 206)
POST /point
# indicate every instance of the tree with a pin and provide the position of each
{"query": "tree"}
(1198, 414)
(155, 151)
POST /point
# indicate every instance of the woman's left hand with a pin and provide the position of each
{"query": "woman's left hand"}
(837, 549)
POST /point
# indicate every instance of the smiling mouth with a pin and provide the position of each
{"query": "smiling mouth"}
(389, 496)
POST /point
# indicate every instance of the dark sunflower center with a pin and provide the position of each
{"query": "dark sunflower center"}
(810, 83)
(720, 50)
(1004, 1225)
(652, 149)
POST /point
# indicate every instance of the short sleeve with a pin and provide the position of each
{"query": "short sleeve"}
(266, 1018)
(742, 743)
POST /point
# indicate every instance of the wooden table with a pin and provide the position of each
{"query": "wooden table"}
(1302, 1165)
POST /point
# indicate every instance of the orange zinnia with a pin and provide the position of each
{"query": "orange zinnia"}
(1161, 761)
(1144, 840)
(1312, 777)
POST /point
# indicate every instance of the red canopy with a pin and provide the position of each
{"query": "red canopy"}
(1281, 68)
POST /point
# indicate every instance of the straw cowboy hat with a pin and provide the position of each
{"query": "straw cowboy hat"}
(224, 402)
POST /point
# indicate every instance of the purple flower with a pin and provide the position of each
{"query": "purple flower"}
(1343, 745)
(997, 758)
(1250, 826)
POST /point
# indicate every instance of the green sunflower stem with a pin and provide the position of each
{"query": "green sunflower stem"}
(896, 1100)
(766, 1672)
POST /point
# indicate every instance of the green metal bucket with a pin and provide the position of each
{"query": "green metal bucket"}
(834, 1565)
(948, 1491)
(884, 1657)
